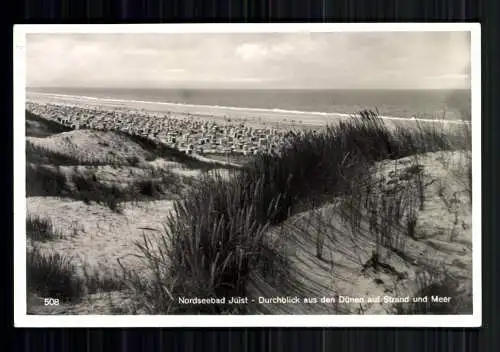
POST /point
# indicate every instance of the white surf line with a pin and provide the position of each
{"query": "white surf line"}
(296, 112)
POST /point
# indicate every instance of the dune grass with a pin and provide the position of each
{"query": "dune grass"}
(40, 155)
(214, 239)
(390, 203)
(40, 229)
(52, 275)
(213, 253)
(42, 127)
(88, 189)
(43, 181)
(44, 177)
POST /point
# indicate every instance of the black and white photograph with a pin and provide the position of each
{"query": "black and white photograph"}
(247, 175)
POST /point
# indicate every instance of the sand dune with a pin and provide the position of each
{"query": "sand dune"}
(96, 236)
(92, 145)
(442, 244)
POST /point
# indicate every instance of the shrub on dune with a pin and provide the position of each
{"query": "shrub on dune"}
(39, 229)
(52, 275)
(44, 181)
(211, 242)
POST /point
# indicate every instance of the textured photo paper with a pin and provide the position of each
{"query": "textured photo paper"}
(247, 175)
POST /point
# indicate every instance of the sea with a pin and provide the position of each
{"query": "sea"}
(423, 104)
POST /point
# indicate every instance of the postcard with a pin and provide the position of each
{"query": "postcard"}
(239, 175)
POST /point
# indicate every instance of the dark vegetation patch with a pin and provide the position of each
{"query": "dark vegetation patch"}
(44, 180)
(40, 229)
(37, 126)
(41, 155)
(160, 150)
(52, 275)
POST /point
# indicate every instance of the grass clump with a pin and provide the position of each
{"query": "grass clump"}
(52, 275)
(39, 229)
(41, 155)
(209, 246)
(149, 188)
(44, 180)
(97, 281)
(88, 189)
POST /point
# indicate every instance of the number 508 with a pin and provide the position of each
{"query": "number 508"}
(51, 301)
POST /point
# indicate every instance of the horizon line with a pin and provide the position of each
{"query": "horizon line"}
(237, 88)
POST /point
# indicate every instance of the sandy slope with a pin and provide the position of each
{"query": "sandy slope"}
(111, 147)
(442, 243)
(95, 235)
(92, 145)
(181, 170)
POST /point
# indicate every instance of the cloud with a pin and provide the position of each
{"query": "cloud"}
(302, 60)
(251, 52)
(255, 52)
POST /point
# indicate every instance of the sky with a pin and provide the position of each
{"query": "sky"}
(341, 60)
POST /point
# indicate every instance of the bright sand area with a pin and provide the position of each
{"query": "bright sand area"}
(252, 116)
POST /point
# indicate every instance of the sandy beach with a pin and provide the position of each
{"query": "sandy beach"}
(253, 116)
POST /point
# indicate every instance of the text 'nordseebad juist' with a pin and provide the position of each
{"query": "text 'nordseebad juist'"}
(297, 300)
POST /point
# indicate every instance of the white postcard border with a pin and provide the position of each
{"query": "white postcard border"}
(21, 319)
